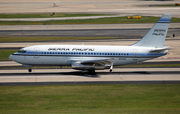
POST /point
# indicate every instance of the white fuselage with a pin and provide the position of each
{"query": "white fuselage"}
(60, 55)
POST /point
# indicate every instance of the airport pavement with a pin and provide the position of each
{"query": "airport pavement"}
(88, 6)
(124, 34)
(83, 26)
(69, 75)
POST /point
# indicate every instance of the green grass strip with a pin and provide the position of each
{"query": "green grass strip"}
(111, 20)
(47, 15)
(47, 38)
(88, 99)
(4, 54)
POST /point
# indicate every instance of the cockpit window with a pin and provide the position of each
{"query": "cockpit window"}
(22, 51)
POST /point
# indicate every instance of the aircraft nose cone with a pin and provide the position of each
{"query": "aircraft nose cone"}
(11, 57)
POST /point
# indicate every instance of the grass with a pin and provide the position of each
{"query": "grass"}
(47, 38)
(47, 15)
(98, 99)
(111, 20)
(4, 54)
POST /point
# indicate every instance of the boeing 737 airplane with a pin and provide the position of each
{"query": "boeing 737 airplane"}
(97, 57)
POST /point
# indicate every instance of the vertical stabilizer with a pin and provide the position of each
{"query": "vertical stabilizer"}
(157, 34)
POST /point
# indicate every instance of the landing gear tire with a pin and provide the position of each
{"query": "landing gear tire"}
(91, 71)
(30, 70)
(110, 70)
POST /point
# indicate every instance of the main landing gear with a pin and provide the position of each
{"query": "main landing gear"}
(91, 71)
(110, 70)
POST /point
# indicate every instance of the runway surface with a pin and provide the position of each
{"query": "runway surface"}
(135, 7)
(125, 33)
(77, 33)
(69, 76)
(83, 26)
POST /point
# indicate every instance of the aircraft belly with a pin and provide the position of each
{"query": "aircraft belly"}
(45, 60)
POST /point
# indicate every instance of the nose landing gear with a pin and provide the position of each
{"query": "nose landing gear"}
(30, 70)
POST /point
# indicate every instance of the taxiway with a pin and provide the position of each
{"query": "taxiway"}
(69, 76)
(89, 6)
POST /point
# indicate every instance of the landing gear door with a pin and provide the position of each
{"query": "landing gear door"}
(135, 54)
(36, 52)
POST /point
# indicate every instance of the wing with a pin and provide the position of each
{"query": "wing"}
(99, 64)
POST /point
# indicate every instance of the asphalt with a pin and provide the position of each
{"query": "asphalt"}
(126, 7)
(124, 33)
(69, 76)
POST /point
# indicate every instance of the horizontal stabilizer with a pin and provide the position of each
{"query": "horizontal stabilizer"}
(160, 49)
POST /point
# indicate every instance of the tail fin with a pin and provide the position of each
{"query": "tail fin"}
(157, 34)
